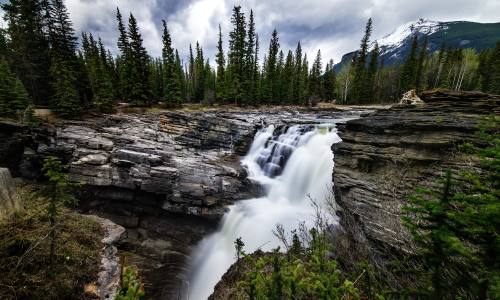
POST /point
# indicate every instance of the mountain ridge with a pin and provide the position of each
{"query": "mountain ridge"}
(395, 46)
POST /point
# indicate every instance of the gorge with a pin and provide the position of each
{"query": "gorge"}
(169, 177)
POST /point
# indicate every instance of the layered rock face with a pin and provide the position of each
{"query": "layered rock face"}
(185, 162)
(388, 153)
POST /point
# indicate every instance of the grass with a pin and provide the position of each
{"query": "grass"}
(24, 254)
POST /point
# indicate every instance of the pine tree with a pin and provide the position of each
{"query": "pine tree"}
(13, 96)
(485, 69)
(138, 60)
(422, 57)
(65, 101)
(30, 57)
(221, 63)
(179, 82)
(172, 87)
(316, 80)
(98, 71)
(439, 248)
(298, 82)
(305, 81)
(249, 78)
(288, 78)
(494, 62)
(330, 81)
(257, 92)
(62, 34)
(409, 72)
(199, 74)
(236, 56)
(271, 79)
(369, 92)
(55, 192)
(360, 72)
(279, 85)
(123, 61)
(209, 83)
(83, 81)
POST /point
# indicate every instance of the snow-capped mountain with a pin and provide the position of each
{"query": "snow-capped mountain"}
(395, 46)
(398, 37)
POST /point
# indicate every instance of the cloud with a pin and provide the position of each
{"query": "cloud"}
(334, 26)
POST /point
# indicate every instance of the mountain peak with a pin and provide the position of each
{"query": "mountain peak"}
(398, 36)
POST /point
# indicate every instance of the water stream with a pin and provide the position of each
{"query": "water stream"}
(293, 165)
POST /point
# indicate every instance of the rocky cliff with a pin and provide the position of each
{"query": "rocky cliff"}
(184, 163)
(167, 177)
(388, 153)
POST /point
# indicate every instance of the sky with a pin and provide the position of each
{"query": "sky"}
(334, 26)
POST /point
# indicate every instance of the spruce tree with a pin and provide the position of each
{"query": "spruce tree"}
(316, 80)
(485, 69)
(62, 34)
(123, 61)
(179, 85)
(13, 96)
(288, 78)
(330, 81)
(100, 79)
(199, 74)
(191, 75)
(172, 88)
(138, 60)
(249, 64)
(494, 62)
(298, 82)
(221, 63)
(30, 58)
(360, 72)
(440, 249)
(278, 84)
(236, 56)
(304, 74)
(369, 92)
(422, 58)
(257, 92)
(409, 72)
(271, 79)
(66, 98)
(65, 101)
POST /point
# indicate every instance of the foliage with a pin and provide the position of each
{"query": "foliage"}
(457, 229)
(13, 96)
(40, 49)
(305, 272)
(25, 251)
(56, 194)
(131, 285)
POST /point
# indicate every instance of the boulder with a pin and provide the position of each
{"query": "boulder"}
(411, 98)
(10, 200)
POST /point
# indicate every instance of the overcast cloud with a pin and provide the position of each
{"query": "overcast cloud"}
(334, 26)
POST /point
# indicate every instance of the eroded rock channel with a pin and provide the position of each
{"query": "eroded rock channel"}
(166, 177)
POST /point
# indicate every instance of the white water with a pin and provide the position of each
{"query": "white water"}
(290, 183)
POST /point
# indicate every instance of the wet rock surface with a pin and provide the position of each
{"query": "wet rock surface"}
(388, 153)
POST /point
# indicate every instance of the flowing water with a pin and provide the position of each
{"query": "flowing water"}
(294, 165)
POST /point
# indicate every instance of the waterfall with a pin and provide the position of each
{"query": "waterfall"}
(293, 166)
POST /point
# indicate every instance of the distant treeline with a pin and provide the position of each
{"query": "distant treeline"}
(42, 64)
